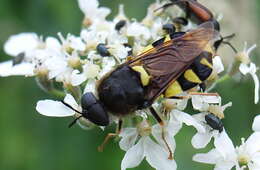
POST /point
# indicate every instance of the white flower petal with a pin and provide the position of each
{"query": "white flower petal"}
(53, 108)
(138, 30)
(252, 143)
(87, 6)
(107, 65)
(168, 135)
(256, 124)
(133, 156)
(249, 50)
(90, 86)
(19, 43)
(76, 78)
(157, 156)
(198, 103)
(53, 43)
(23, 69)
(224, 145)
(56, 66)
(91, 70)
(217, 64)
(129, 136)
(256, 81)
(225, 166)
(211, 157)
(71, 101)
(244, 69)
(174, 126)
(76, 43)
(201, 140)
(188, 120)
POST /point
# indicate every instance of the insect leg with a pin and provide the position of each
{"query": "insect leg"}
(157, 117)
(203, 94)
(110, 135)
(179, 97)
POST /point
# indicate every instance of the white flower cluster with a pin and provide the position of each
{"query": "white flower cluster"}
(77, 62)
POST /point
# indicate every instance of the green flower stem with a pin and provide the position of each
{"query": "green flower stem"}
(57, 93)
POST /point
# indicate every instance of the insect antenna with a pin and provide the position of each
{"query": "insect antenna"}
(75, 120)
(225, 40)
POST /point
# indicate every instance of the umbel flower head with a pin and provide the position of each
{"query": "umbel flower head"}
(69, 66)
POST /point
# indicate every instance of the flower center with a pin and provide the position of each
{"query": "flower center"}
(243, 58)
(74, 62)
(144, 128)
(243, 159)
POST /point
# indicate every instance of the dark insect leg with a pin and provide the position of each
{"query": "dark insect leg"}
(110, 135)
(202, 86)
(179, 97)
(156, 116)
(203, 94)
(160, 121)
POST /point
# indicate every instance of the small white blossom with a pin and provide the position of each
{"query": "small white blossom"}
(92, 11)
(201, 139)
(71, 43)
(225, 156)
(21, 43)
(90, 71)
(156, 154)
(248, 67)
(139, 32)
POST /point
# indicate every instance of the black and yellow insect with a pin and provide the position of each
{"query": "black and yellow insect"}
(169, 66)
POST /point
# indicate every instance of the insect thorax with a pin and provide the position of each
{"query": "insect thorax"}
(122, 92)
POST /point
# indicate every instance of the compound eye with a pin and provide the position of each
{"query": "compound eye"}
(93, 110)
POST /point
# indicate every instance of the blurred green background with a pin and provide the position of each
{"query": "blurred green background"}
(29, 141)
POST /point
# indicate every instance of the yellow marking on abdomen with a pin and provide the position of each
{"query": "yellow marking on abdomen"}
(173, 89)
(191, 76)
(205, 62)
(145, 78)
